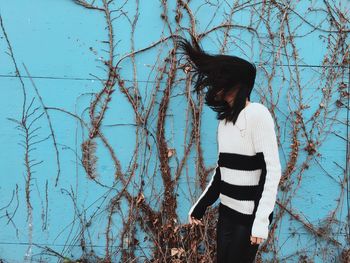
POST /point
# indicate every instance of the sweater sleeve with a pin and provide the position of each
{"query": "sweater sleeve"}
(265, 141)
(208, 196)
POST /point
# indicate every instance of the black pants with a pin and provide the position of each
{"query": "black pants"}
(233, 242)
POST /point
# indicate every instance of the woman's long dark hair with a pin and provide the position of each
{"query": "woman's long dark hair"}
(219, 73)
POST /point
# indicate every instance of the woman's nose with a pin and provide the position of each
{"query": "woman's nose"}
(218, 95)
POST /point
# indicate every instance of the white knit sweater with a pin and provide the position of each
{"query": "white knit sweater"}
(248, 171)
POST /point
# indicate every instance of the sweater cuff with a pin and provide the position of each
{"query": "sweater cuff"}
(260, 228)
(198, 212)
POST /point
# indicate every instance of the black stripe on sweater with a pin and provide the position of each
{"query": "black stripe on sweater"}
(241, 161)
(239, 192)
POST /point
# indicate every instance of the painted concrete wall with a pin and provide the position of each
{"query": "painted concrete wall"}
(61, 200)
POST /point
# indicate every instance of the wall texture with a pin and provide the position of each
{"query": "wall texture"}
(104, 147)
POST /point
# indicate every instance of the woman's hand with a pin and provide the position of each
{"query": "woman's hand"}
(187, 69)
(256, 240)
(195, 221)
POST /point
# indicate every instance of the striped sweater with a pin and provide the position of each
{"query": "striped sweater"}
(247, 172)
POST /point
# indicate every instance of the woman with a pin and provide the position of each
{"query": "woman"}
(248, 169)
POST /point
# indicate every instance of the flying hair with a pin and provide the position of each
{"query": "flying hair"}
(219, 73)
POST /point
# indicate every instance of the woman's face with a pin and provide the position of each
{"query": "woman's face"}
(229, 97)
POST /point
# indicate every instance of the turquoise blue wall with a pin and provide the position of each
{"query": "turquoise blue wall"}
(60, 43)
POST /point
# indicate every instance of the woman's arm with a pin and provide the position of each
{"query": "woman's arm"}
(265, 141)
(209, 195)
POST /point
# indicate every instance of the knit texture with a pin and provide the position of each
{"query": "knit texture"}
(247, 171)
